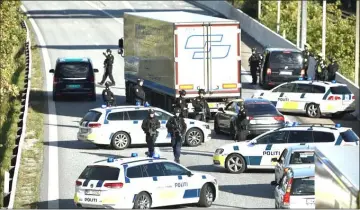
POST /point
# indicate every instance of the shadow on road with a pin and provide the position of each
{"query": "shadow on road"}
(72, 144)
(63, 204)
(253, 190)
(105, 155)
(207, 168)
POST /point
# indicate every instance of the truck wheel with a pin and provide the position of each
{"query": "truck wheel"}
(120, 140)
(207, 195)
(313, 110)
(194, 137)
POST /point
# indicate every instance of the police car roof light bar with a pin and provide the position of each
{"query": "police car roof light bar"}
(333, 81)
(156, 156)
(300, 78)
(110, 160)
(138, 103)
(146, 104)
(103, 106)
(134, 154)
(338, 125)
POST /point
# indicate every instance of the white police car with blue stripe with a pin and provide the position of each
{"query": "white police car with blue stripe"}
(120, 127)
(141, 183)
(259, 152)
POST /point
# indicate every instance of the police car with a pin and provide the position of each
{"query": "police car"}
(120, 127)
(315, 98)
(142, 183)
(260, 152)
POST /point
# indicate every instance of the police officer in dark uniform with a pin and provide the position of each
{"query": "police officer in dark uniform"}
(322, 72)
(333, 67)
(181, 103)
(306, 56)
(241, 124)
(201, 107)
(108, 66)
(254, 63)
(139, 92)
(177, 128)
(108, 95)
(150, 126)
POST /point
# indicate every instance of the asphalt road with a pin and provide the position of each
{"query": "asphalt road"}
(86, 29)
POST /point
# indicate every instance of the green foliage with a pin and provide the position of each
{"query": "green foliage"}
(340, 32)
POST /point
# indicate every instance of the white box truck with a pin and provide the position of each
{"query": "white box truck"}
(173, 51)
(337, 177)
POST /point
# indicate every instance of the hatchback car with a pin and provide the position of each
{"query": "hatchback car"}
(74, 76)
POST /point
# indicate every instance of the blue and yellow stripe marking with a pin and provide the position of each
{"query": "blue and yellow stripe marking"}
(326, 94)
(302, 95)
(86, 182)
(179, 177)
(192, 193)
(107, 111)
(261, 94)
(338, 140)
(203, 177)
(254, 160)
(192, 122)
(127, 180)
(163, 122)
(236, 148)
(135, 122)
(155, 178)
(282, 94)
(100, 183)
(268, 147)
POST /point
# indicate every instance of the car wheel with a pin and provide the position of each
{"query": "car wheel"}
(235, 163)
(142, 201)
(194, 137)
(120, 140)
(313, 110)
(216, 127)
(207, 195)
(101, 146)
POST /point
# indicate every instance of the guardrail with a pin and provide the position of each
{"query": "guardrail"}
(11, 177)
(266, 37)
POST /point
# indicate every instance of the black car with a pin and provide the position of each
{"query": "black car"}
(281, 65)
(74, 76)
(261, 113)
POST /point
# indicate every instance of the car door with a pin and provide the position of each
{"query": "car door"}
(279, 167)
(302, 137)
(302, 94)
(114, 122)
(163, 132)
(134, 122)
(274, 94)
(284, 102)
(270, 146)
(280, 191)
(224, 117)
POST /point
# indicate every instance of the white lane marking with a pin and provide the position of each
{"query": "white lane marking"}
(100, 9)
(53, 174)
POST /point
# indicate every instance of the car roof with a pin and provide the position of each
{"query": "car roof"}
(320, 83)
(301, 148)
(302, 172)
(119, 162)
(131, 107)
(276, 49)
(251, 100)
(315, 128)
(73, 59)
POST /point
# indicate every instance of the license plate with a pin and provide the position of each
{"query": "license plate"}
(310, 201)
(263, 122)
(74, 86)
(285, 73)
(83, 130)
(92, 192)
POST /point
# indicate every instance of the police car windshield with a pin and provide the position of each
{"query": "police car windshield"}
(349, 136)
(260, 109)
(100, 173)
(73, 70)
(340, 90)
(302, 157)
(92, 116)
(303, 186)
(283, 58)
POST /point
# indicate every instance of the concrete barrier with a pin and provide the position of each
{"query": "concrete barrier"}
(265, 36)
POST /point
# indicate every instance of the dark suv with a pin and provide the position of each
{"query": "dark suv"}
(74, 76)
(281, 65)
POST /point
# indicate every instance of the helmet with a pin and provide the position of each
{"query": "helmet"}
(177, 110)
(331, 59)
(182, 92)
(140, 80)
(107, 84)
(151, 111)
(201, 91)
(253, 49)
(108, 51)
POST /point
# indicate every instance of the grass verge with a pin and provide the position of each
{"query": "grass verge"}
(28, 185)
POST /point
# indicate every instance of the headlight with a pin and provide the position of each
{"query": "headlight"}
(219, 151)
(207, 126)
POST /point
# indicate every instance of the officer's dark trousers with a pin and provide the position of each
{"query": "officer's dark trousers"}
(150, 141)
(184, 114)
(253, 72)
(176, 145)
(110, 102)
(241, 135)
(200, 117)
(108, 72)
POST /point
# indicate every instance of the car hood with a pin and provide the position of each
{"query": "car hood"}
(235, 147)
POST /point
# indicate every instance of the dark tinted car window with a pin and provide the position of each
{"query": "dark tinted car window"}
(303, 186)
(303, 88)
(138, 115)
(100, 173)
(302, 157)
(172, 169)
(278, 137)
(289, 88)
(281, 58)
(260, 109)
(116, 116)
(320, 136)
(318, 89)
(349, 136)
(340, 90)
(162, 115)
(92, 116)
(73, 70)
(153, 169)
(134, 172)
(300, 137)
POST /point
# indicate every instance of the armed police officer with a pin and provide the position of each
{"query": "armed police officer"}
(254, 63)
(201, 107)
(177, 128)
(150, 126)
(108, 66)
(306, 55)
(139, 92)
(181, 104)
(241, 124)
(108, 95)
(333, 67)
(321, 71)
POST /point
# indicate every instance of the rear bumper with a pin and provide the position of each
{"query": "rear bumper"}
(275, 80)
(92, 138)
(260, 129)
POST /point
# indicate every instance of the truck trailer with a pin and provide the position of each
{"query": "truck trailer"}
(173, 51)
(337, 177)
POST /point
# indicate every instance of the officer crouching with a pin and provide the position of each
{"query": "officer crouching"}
(201, 107)
(177, 128)
(150, 126)
(108, 95)
(241, 124)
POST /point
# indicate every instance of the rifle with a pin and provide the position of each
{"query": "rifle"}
(152, 129)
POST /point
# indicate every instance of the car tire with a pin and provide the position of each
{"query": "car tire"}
(207, 195)
(142, 201)
(232, 162)
(194, 137)
(313, 110)
(120, 140)
(216, 127)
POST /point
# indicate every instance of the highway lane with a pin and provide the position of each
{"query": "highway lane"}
(87, 29)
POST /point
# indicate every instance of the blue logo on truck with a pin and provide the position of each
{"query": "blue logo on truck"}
(200, 44)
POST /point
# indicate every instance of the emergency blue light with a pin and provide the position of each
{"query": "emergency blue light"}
(156, 156)
(110, 160)
(138, 103)
(300, 78)
(134, 154)
(309, 78)
(295, 124)
(334, 81)
(146, 104)
(103, 106)
(337, 126)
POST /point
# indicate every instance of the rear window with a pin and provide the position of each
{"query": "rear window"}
(302, 157)
(349, 136)
(73, 70)
(92, 116)
(260, 109)
(282, 58)
(340, 90)
(100, 173)
(303, 186)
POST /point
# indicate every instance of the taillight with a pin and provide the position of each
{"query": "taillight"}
(250, 118)
(302, 72)
(94, 125)
(268, 71)
(334, 98)
(286, 198)
(279, 118)
(55, 80)
(92, 79)
(353, 98)
(78, 183)
(114, 185)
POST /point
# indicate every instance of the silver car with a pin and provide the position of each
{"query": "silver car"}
(296, 189)
(295, 157)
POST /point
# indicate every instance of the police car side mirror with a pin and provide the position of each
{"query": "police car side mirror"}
(51, 71)
(273, 183)
(274, 160)
(221, 109)
(189, 174)
(96, 70)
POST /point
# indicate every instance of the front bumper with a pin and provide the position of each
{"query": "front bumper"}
(219, 160)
